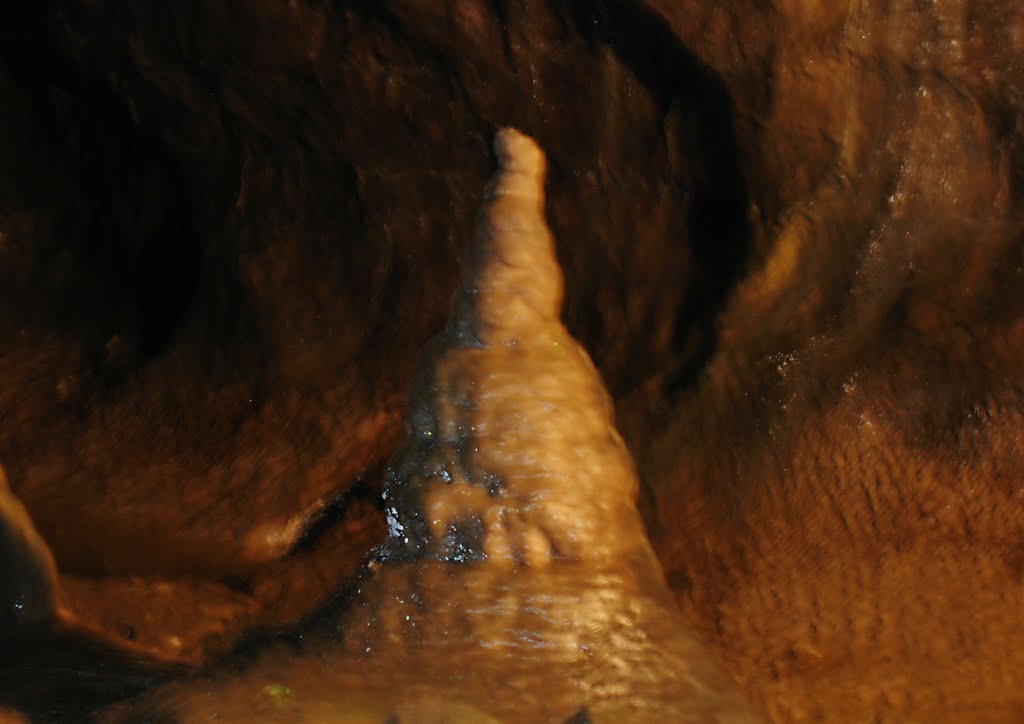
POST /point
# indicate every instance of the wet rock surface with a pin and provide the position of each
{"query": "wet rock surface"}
(516, 560)
(792, 242)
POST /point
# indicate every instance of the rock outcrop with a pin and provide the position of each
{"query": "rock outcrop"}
(517, 560)
(792, 236)
(513, 454)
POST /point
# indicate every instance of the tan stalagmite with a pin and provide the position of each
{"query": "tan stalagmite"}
(518, 583)
(512, 454)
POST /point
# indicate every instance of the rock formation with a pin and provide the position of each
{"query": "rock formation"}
(517, 581)
(28, 575)
(792, 236)
(512, 455)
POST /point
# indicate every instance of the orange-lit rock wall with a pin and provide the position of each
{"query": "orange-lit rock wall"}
(791, 234)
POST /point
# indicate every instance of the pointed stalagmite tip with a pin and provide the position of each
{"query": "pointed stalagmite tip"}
(512, 283)
(521, 164)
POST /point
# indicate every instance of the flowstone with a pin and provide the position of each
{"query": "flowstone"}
(517, 583)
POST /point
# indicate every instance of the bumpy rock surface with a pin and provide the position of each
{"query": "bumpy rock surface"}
(517, 559)
(513, 454)
(793, 236)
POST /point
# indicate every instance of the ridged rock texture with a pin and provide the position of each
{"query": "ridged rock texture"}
(792, 241)
(516, 560)
(513, 454)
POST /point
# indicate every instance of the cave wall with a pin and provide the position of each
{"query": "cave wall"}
(863, 487)
(257, 211)
(791, 236)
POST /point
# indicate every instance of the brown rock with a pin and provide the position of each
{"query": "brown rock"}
(28, 576)
(791, 232)
(517, 557)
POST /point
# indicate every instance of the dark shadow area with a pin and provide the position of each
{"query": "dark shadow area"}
(127, 222)
(57, 675)
(719, 230)
(365, 490)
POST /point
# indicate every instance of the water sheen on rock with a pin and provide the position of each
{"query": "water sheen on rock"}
(517, 583)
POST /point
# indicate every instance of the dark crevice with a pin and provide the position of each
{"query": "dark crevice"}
(366, 490)
(719, 230)
(59, 675)
(130, 231)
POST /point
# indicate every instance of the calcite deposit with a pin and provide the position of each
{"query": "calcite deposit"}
(517, 583)
(512, 454)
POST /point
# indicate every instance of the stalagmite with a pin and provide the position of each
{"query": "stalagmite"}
(518, 583)
(512, 455)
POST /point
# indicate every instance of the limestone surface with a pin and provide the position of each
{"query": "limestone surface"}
(512, 454)
(517, 583)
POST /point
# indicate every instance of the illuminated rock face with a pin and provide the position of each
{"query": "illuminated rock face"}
(512, 454)
(517, 583)
(514, 472)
